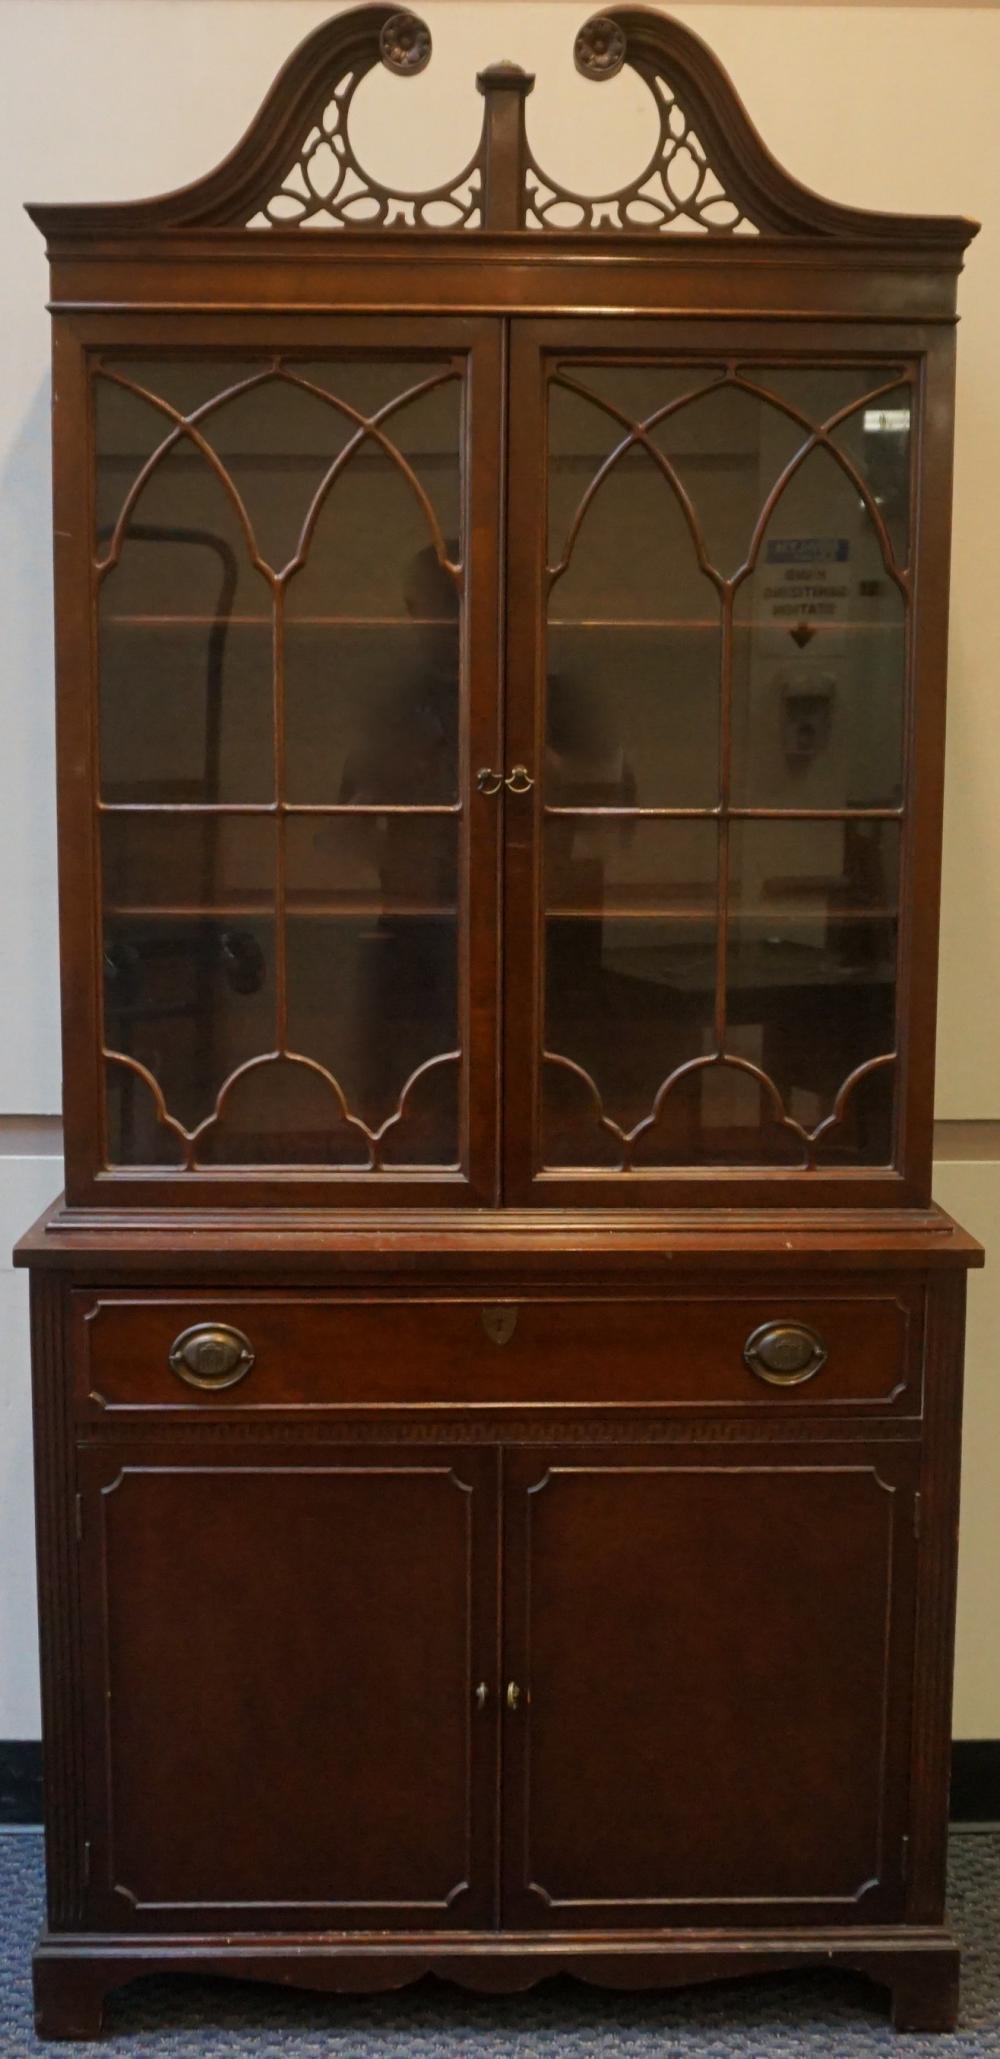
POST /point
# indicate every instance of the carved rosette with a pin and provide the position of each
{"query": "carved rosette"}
(405, 44)
(601, 48)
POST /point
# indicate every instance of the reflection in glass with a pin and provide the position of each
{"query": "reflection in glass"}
(729, 449)
(188, 961)
(373, 707)
(279, 1114)
(811, 961)
(392, 864)
(278, 600)
(627, 1000)
(877, 440)
(875, 436)
(719, 1115)
(189, 864)
(731, 493)
(190, 999)
(185, 660)
(371, 999)
(372, 972)
(634, 642)
(819, 655)
(595, 865)
(630, 968)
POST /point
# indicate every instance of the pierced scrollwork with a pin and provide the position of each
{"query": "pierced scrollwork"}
(678, 187)
(327, 187)
(295, 167)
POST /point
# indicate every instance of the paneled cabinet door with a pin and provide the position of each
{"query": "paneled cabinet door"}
(708, 1654)
(283, 1659)
(708, 655)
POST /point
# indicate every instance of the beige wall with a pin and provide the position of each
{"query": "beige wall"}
(889, 107)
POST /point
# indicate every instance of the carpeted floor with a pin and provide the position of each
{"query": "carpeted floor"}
(820, 2014)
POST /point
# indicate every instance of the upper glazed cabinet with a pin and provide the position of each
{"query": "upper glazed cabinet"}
(500, 747)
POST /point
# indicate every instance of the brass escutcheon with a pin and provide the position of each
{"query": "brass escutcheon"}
(500, 1323)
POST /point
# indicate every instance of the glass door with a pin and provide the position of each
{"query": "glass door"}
(296, 670)
(708, 655)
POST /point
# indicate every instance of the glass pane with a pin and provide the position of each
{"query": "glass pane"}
(279, 559)
(191, 1000)
(719, 1115)
(630, 973)
(634, 638)
(393, 864)
(185, 658)
(283, 1113)
(187, 864)
(728, 450)
(372, 965)
(372, 623)
(819, 655)
(877, 440)
(596, 866)
(373, 708)
(811, 963)
(818, 391)
(875, 435)
(188, 964)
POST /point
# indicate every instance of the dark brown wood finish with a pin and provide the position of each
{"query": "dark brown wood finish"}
(474, 346)
(208, 1678)
(501, 1618)
(358, 1352)
(676, 1631)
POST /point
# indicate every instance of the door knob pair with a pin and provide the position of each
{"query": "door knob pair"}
(512, 1697)
(518, 780)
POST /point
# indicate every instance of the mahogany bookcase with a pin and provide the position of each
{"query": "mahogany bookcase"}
(497, 1361)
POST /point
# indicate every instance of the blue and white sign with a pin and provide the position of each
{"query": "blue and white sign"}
(807, 550)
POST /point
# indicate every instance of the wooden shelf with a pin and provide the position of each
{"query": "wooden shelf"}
(228, 911)
(372, 622)
(665, 912)
(291, 621)
(755, 626)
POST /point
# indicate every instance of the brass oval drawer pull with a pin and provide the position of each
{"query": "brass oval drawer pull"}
(785, 1353)
(211, 1355)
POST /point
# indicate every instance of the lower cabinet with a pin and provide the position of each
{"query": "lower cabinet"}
(445, 1688)
(713, 1654)
(282, 1716)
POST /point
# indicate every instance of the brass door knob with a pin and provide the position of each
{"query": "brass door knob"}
(513, 1696)
(518, 780)
(211, 1355)
(785, 1354)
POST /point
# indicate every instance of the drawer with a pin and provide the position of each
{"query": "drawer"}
(176, 1351)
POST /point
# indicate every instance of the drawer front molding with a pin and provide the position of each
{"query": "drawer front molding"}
(319, 1353)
